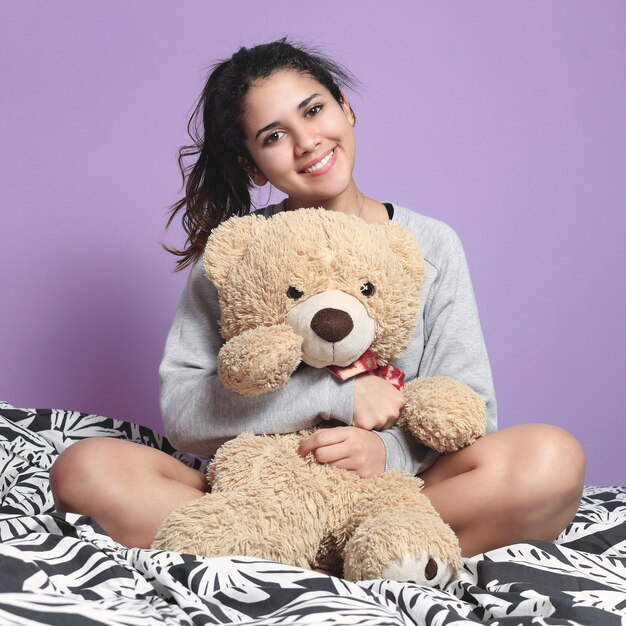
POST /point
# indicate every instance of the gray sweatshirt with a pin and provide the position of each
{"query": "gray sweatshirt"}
(199, 414)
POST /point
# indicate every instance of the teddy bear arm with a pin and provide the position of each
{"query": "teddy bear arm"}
(444, 414)
(259, 360)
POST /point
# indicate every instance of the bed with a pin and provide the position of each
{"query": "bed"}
(61, 568)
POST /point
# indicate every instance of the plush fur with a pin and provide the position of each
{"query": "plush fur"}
(309, 285)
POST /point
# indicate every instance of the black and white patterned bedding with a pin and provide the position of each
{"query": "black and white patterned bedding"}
(63, 569)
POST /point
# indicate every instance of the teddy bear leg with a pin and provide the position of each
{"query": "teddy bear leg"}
(398, 534)
(265, 503)
(243, 524)
(403, 545)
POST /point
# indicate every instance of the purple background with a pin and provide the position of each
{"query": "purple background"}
(504, 119)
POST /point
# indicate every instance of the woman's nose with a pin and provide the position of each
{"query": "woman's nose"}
(306, 140)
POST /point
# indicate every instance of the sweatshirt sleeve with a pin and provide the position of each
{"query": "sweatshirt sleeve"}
(199, 413)
(450, 341)
(454, 345)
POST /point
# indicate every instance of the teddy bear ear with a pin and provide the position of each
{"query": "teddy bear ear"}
(406, 247)
(227, 245)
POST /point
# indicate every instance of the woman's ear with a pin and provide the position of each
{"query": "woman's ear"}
(347, 109)
(352, 117)
(254, 173)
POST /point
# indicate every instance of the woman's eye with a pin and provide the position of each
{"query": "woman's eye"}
(314, 110)
(367, 289)
(273, 137)
(294, 293)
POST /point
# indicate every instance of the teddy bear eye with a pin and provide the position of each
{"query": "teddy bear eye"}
(367, 289)
(294, 294)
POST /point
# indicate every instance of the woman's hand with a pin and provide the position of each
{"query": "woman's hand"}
(347, 447)
(377, 403)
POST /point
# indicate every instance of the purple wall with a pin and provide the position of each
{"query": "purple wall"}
(504, 119)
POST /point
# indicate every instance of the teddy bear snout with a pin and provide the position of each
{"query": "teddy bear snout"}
(335, 328)
(332, 325)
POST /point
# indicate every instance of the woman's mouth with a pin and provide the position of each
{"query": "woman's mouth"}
(322, 165)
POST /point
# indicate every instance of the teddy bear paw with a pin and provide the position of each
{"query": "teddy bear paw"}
(428, 571)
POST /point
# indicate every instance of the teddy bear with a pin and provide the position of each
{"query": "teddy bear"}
(331, 291)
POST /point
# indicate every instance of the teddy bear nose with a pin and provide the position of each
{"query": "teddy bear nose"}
(332, 325)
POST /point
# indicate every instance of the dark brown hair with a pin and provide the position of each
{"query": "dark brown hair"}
(216, 185)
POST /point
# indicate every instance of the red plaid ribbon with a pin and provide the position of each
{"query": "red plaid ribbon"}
(367, 363)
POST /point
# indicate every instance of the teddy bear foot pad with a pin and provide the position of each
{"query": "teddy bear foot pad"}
(436, 572)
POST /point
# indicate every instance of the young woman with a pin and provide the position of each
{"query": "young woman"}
(277, 114)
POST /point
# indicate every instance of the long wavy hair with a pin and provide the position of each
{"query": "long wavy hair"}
(216, 185)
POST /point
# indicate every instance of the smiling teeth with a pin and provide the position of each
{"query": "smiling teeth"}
(320, 164)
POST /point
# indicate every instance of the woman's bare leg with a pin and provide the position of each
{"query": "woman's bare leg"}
(128, 488)
(518, 483)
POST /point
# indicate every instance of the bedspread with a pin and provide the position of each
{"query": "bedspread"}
(61, 568)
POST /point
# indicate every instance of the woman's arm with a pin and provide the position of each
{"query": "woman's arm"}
(449, 341)
(454, 345)
(199, 414)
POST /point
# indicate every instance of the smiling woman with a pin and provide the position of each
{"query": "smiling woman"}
(308, 152)
(278, 113)
(222, 170)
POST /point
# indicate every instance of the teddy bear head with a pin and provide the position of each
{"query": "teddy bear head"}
(342, 285)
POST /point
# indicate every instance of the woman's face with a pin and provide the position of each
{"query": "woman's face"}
(299, 137)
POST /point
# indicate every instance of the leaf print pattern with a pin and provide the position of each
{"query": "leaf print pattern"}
(62, 568)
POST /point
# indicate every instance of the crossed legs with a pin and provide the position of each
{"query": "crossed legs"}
(518, 483)
(522, 482)
(128, 488)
